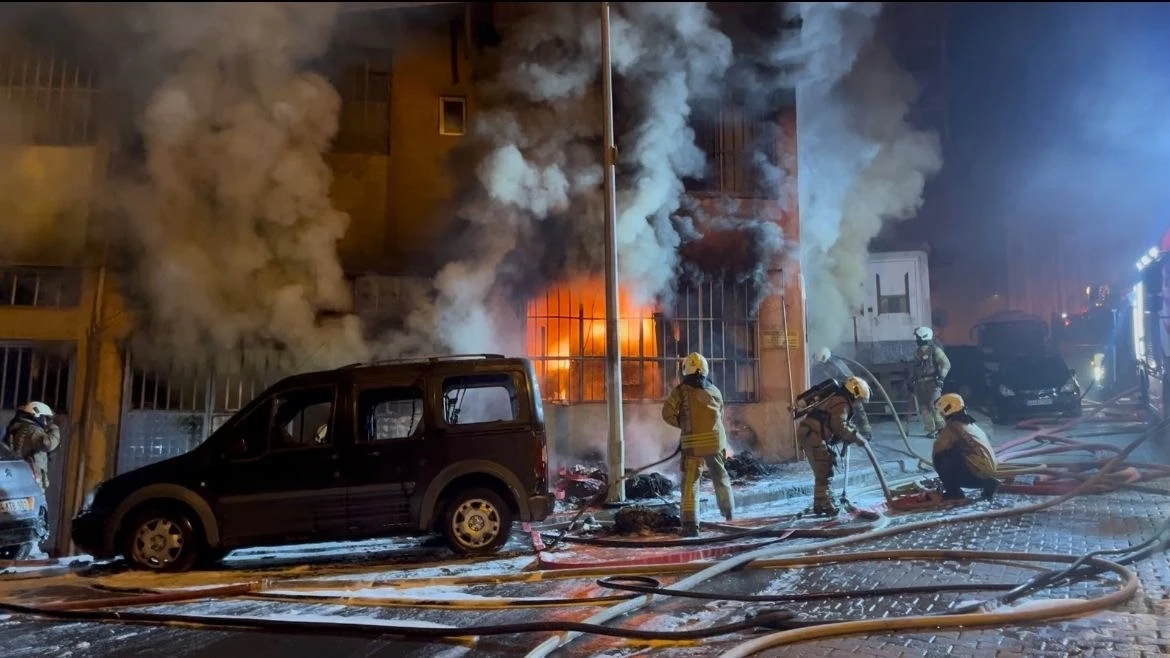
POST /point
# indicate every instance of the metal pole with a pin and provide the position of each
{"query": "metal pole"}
(613, 355)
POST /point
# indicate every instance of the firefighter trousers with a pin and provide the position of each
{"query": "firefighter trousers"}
(822, 457)
(927, 395)
(956, 474)
(692, 468)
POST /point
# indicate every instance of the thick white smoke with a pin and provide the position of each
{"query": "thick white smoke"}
(233, 233)
(861, 164)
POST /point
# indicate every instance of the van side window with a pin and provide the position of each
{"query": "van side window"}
(480, 399)
(249, 439)
(303, 419)
(386, 414)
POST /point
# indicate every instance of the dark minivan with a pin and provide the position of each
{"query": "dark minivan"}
(452, 445)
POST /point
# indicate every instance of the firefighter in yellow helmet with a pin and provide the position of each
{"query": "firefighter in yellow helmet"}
(821, 434)
(32, 435)
(695, 407)
(962, 454)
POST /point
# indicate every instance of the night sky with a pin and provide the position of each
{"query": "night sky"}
(1058, 144)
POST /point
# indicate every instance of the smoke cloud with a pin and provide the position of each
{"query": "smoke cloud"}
(861, 164)
(229, 235)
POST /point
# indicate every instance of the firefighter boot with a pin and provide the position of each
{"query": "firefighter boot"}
(989, 489)
(689, 530)
(826, 509)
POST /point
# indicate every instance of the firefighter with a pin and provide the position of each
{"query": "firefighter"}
(695, 407)
(962, 455)
(830, 366)
(821, 433)
(32, 435)
(930, 368)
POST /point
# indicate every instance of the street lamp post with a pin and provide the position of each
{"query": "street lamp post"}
(613, 355)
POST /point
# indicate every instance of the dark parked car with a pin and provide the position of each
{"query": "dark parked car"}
(452, 445)
(1029, 385)
(24, 514)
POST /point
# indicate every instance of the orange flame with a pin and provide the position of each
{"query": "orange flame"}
(566, 339)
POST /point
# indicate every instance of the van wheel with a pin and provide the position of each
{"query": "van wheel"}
(162, 539)
(477, 522)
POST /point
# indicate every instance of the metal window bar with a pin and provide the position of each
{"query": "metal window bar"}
(44, 287)
(28, 373)
(713, 318)
(364, 87)
(54, 97)
(733, 144)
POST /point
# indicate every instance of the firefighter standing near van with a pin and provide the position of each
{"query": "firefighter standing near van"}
(821, 433)
(32, 435)
(829, 366)
(695, 407)
(930, 369)
(962, 454)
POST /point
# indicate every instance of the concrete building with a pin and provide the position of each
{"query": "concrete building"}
(63, 323)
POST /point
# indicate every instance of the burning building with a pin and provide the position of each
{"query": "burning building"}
(239, 192)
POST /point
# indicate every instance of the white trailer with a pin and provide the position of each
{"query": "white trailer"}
(895, 302)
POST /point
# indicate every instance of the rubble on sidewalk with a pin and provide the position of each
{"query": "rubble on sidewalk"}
(745, 466)
(640, 520)
(580, 483)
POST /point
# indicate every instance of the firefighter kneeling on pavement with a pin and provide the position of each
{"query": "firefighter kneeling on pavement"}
(32, 435)
(821, 433)
(962, 455)
(695, 406)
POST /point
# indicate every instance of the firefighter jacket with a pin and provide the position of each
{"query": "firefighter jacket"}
(931, 365)
(696, 407)
(969, 439)
(832, 421)
(33, 442)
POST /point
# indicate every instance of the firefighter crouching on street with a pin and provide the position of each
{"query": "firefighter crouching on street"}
(695, 406)
(829, 366)
(962, 455)
(821, 433)
(32, 435)
(930, 369)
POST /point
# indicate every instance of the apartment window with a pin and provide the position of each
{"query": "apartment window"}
(452, 115)
(364, 86)
(742, 154)
(891, 302)
(53, 98)
(566, 340)
(43, 287)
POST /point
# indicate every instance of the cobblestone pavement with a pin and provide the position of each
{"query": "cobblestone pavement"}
(1139, 628)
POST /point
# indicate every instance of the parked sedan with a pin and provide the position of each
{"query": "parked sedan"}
(24, 513)
(1030, 385)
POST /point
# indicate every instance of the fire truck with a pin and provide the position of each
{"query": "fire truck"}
(1150, 326)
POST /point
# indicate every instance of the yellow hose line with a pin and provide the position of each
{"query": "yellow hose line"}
(1054, 609)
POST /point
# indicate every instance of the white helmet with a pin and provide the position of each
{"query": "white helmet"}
(949, 404)
(695, 363)
(858, 388)
(822, 355)
(924, 334)
(37, 409)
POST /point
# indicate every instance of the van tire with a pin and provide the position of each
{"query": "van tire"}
(476, 522)
(149, 539)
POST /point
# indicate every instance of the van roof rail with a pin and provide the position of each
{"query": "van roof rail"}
(421, 359)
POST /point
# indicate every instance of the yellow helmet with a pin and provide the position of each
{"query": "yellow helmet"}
(951, 403)
(858, 388)
(695, 363)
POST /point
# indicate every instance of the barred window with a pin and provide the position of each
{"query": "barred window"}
(566, 340)
(53, 98)
(44, 287)
(742, 155)
(35, 372)
(364, 86)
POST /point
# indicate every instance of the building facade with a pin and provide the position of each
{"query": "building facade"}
(63, 323)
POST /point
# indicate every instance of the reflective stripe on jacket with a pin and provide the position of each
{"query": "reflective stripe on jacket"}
(698, 412)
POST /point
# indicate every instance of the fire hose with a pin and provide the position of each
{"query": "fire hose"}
(627, 607)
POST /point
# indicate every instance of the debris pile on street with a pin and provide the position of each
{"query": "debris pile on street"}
(645, 486)
(746, 467)
(580, 483)
(639, 520)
